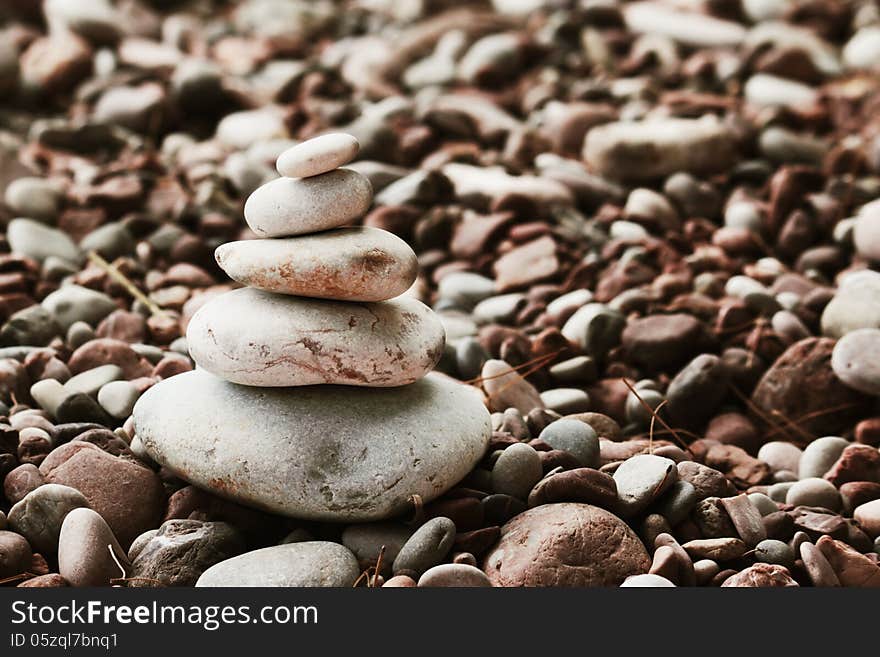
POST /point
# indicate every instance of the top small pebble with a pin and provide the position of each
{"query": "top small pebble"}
(318, 155)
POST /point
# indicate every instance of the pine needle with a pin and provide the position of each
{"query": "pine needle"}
(124, 281)
(654, 413)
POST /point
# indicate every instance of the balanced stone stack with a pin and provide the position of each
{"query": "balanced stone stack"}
(312, 397)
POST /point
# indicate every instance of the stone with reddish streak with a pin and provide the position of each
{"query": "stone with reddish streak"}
(761, 575)
(295, 341)
(347, 264)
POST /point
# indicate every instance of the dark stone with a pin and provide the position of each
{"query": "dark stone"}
(182, 550)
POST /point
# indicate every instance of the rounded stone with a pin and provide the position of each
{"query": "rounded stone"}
(709, 482)
(814, 491)
(400, 582)
(83, 555)
(499, 309)
(801, 384)
(634, 408)
(856, 360)
(646, 580)
(118, 398)
(868, 517)
(863, 48)
(565, 544)
(854, 305)
(39, 516)
(20, 481)
(322, 452)
(111, 241)
(579, 485)
(262, 339)
(516, 471)
(763, 504)
(72, 303)
(90, 381)
(31, 326)
(773, 551)
(677, 502)
(465, 288)
(866, 232)
(641, 479)
(349, 264)
(309, 563)
(38, 241)
(820, 455)
(705, 570)
(566, 401)
(241, 129)
(140, 543)
(761, 575)
(696, 391)
(458, 575)
(575, 437)
(36, 198)
(658, 342)
(127, 494)
(366, 540)
(505, 388)
(15, 554)
(717, 549)
(595, 328)
(318, 155)
(296, 206)
(780, 455)
(427, 547)
(777, 492)
(818, 569)
(580, 370)
(470, 356)
(618, 150)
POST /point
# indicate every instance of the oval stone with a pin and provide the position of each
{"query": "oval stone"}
(456, 575)
(295, 206)
(84, 546)
(566, 545)
(854, 360)
(257, 338)
(311, 563)
(318, 155)
(348, 264)
(324, 452)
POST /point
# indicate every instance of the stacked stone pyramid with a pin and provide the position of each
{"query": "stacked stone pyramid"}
(312, 396)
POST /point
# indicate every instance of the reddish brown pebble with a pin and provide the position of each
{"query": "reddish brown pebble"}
(596, 547)
(856, 463)
(851, 568)
(399, 581)
(51, 580)
(761, 575)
